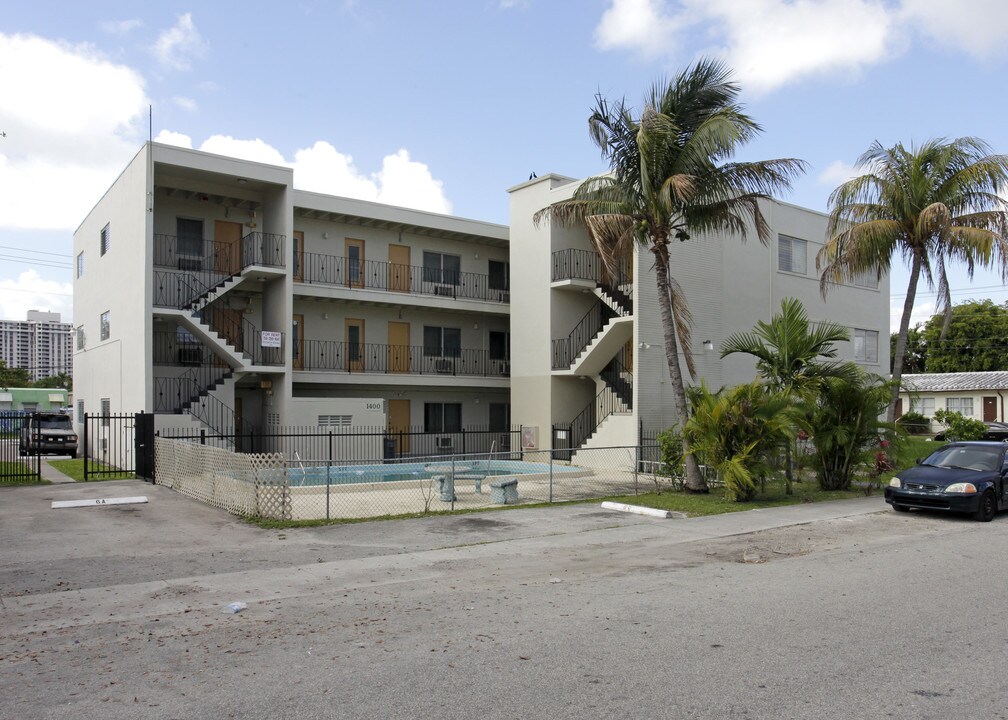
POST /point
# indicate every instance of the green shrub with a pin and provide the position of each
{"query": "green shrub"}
(959, 427)
(914, 423)
(670, 443)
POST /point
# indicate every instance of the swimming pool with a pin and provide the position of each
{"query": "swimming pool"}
(398, 472)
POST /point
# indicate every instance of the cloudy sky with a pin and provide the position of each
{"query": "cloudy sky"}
(443, 106)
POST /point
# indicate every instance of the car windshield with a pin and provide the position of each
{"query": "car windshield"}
(55, 423)
(966, 457)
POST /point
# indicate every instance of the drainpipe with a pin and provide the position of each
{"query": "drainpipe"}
(1002, 404)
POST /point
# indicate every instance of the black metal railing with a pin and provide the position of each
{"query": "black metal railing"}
(583, 426)
(619, 379)
(318, 269)
(241, 336)
(261, 248)
(575, 264)
(20, 447)
(339, 356)
(175, 393)
(565, 350)
(108, 444)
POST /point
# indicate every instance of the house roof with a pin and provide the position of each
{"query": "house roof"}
(953, 382)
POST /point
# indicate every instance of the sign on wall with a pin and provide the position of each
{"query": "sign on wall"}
(270, 339)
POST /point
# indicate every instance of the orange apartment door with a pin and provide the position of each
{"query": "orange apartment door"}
(990, 409)
(298, 256)
(398, 347)
(354, 263)
(398, 421)
(354, 345)
(297, 342)
(399, 268)
(227, 246)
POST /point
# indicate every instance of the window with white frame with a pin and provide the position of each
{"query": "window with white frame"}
(442, 341)
(923, 405)
(106, 411)
(106, 329)
(442, 417)
(106, 239)
(80, 337)
(791, 254)
(80, 264)
(962, 405)
(867, 279)
(865, 345)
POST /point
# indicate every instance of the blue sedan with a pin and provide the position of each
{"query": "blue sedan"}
(962, 477)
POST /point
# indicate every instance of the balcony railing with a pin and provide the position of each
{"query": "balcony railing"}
(565, 350)
(318, 269)
(575, 264)
(225, 258)
(338, 356)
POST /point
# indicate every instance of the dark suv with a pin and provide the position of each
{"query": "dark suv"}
(48, 433)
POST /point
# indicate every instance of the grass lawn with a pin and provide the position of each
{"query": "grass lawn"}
(75, 469)
(17, 468)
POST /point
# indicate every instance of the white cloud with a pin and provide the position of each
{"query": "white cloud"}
(977, 27)
(173, 138)
(921, 313)
(254, 150)
(177, 46)
(71, 118)
(770, 43)
(120, 27)
(185, 103)
(640, 25)
(409, 183)
(837, 172)
(29, 291)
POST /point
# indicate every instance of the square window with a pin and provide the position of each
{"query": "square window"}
(866, 345)
(791, 254)
(962, 405)
(106, 238)
(441, 269)
(442, 417)
(105, 328)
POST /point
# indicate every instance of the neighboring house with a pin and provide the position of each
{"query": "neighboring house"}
(589, 364)
(977, 395)
(41, 344)
(32, 399)
(212, 293)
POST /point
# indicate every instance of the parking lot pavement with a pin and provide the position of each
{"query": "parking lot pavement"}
(570, 611)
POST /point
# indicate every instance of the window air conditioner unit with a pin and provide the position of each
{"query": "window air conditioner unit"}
(446, 290)
(190, 263)
(445, 443)
(443, 365)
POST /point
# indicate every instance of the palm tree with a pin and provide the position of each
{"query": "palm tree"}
(792, 355)
(931, 205)
(669, 178)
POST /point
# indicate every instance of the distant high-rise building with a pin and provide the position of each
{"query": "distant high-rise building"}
(40, 344)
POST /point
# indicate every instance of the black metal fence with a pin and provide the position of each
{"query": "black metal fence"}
(339, 356)
(20, 443)
(109, 446)
(352, 444)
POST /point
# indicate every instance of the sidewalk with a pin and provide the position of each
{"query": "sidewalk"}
(53, 475)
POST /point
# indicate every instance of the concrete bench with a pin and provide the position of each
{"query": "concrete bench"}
(478, 479)
(504, 491)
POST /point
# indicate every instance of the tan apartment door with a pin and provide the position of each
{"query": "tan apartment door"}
(398, 347)
(354, 345)
(227, 247)
(298, 256)
(297, 342)
(399, 268)
(398, 422)
(354, 263)
(990, 409)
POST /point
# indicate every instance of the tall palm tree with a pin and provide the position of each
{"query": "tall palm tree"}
(792, 355)
(670, 178)
(931, 205)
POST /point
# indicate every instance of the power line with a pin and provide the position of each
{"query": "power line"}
(36, 292)
(37, 252)
(36, 262)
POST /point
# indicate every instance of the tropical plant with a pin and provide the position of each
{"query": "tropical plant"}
(916, 352)
(792, 355)
(931, 204)
(914, 423)
(737, 431)
(669, 179)
(14, 377)
(975, 340)
(843, 422)
(670, 444)
(958, 426)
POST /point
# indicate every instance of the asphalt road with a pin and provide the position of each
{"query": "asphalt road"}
(838, 610)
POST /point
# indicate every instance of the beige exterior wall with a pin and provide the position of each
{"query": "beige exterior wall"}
(939, 401)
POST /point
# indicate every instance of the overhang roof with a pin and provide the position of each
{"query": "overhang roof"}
(955, 382)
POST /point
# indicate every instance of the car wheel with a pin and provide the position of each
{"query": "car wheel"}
(900, 508)
(987, 508)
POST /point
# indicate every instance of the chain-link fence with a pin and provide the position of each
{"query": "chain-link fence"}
(307, 488)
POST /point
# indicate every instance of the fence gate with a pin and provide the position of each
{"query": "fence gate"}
(144, 423)
(110, 445)
(20, 459)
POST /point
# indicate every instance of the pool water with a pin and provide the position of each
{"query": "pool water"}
(397, 472)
